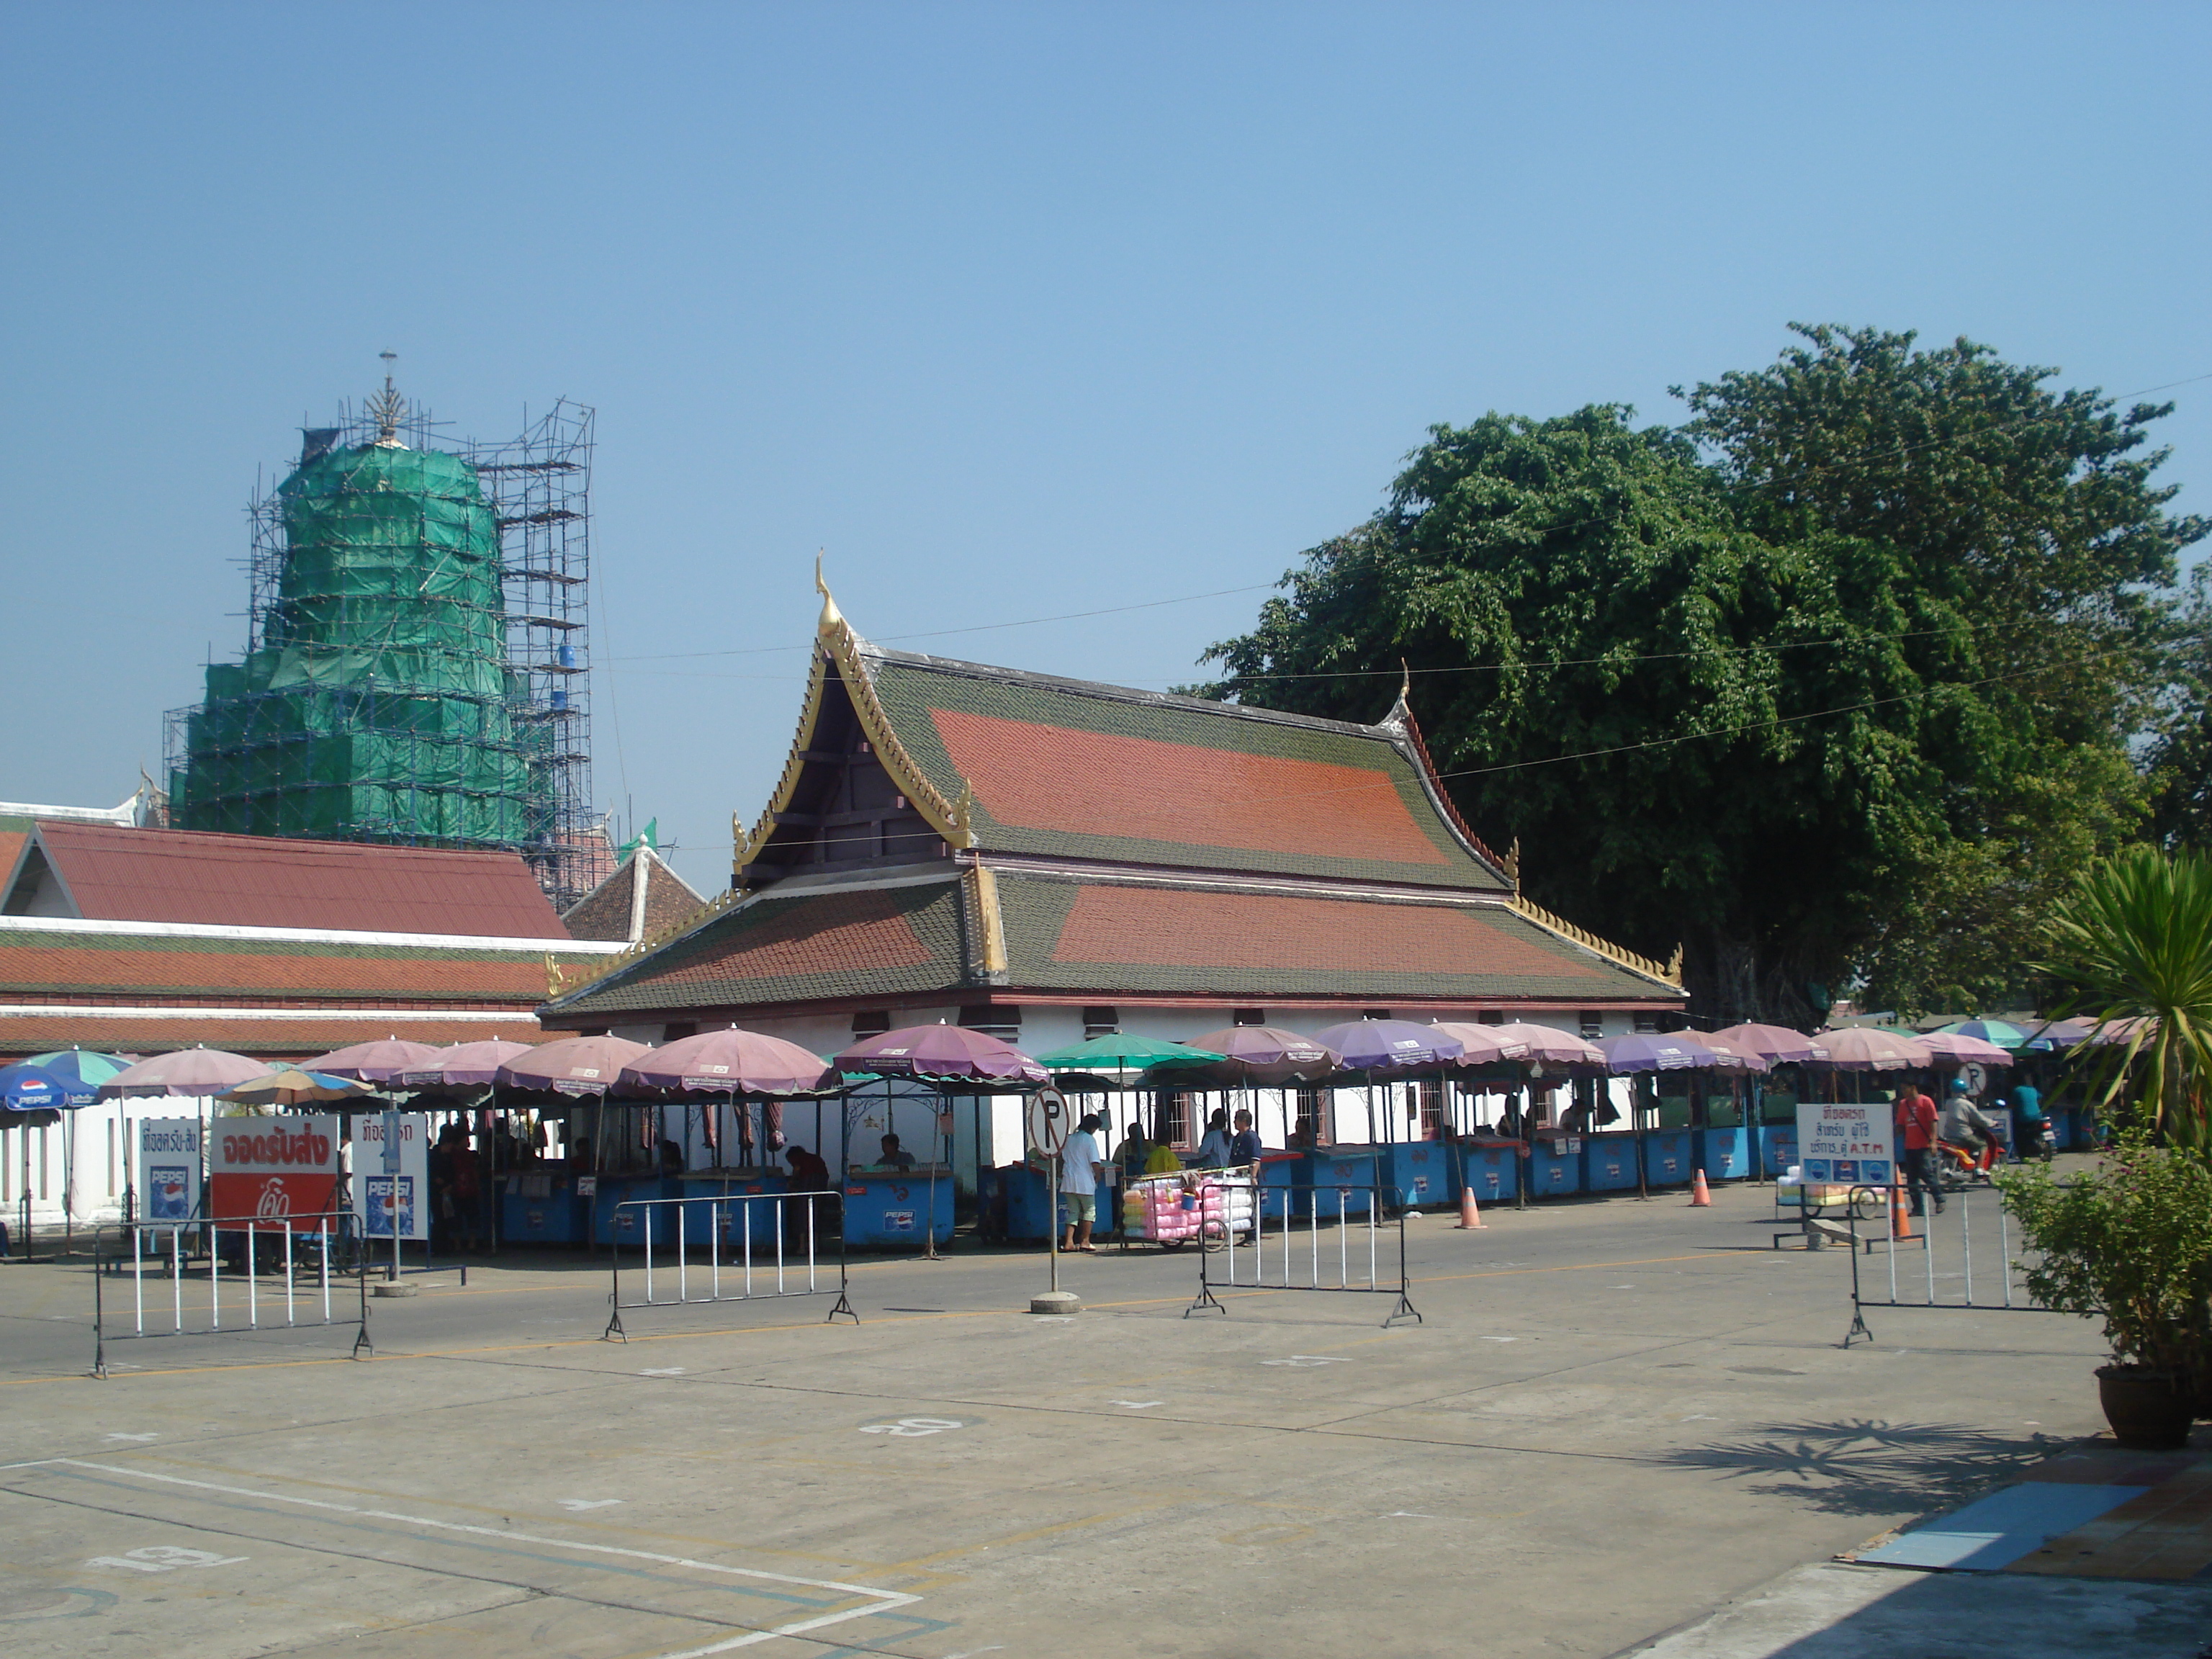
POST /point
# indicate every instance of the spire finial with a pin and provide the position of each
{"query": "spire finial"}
(832, 618)
(387, 408)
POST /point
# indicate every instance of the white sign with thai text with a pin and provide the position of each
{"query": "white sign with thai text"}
(392, 1174)
(169, 1168)
(1845, 1145)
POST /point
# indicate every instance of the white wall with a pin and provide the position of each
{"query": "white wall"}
(103, 1137)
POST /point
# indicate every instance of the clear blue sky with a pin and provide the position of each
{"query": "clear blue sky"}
(1017, 310)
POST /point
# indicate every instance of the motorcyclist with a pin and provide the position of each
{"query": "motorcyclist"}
(1964, 1124)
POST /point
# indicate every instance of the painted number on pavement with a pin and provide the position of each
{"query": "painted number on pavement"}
(164, 1558)
(909, 1427)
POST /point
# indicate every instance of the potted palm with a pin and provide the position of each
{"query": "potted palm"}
(2133, 1244)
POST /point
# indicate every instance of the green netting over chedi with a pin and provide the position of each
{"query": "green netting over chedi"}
(379, 704)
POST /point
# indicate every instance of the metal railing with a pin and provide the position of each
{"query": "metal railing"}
(322, 1246)
(733, 1269)
(1332, 1241)
(1961, 1268)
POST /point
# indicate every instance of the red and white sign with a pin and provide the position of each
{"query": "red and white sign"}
(274, 1170)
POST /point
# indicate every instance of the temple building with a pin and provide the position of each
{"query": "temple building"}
(1046, 858)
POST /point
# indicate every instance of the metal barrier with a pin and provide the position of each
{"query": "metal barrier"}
(1961, 1268)
(1295, 1257)
(326, 1241)
(747, 1270)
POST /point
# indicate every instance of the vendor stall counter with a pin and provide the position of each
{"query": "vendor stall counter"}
(892, 1208)
(612, 1224)
(726, 1224)
(1667, 1156)
(540, 1206)
(1492, 1167)
(1609, 1163)
(1420, 1170)
(1555, 1166)
(1030, 1212)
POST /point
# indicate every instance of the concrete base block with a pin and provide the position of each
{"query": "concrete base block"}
(1055, 1301)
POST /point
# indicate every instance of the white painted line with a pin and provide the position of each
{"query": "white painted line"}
(908, 1427)
(134, 1437)
(664, 1371)
(581, 1504)
(1136, 1404)
(885, 1601)
(1308, 1359)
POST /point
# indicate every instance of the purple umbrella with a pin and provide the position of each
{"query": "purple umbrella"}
(1777, 1044)
(1952, 1047)
(372, 1062)
(734, 1063)
(464, 1066)
(945, 1053)
(187, 1072)
(1267, 1055)
(573, 1065)
(1655, 1051)
(1481, 1045)
(2061, 1034)
(1390, 1045)
(1548, 1043)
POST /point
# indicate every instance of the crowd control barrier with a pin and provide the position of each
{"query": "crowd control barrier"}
(1329, 1238)
(282, 1248)
(759, 1246)
(1965, 1262)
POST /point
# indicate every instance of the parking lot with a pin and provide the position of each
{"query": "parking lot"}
(1614, 1417)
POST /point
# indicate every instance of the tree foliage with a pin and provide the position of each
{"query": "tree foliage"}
(1832, 684)
(2131, 941)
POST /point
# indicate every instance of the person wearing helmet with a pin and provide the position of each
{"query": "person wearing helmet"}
(1965, 1125)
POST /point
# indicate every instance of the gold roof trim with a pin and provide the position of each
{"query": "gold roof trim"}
(1671, 973)
(840, 648)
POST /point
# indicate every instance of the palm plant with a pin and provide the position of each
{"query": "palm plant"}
(2130, 947)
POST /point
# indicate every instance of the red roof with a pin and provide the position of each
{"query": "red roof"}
(115, 874)
(1164, 927)
(1047, 777)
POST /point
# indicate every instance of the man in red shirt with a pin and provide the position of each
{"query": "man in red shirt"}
(1915, 1144)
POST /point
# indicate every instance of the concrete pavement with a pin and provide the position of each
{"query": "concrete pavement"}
(1615, 1418)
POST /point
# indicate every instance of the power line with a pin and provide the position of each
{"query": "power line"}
(1168, 808)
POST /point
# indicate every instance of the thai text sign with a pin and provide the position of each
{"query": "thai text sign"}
(392, 1174)
(169, 1167)
(1845, 1145)
(276, 1170)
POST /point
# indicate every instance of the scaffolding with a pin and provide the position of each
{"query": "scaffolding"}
(417, 667)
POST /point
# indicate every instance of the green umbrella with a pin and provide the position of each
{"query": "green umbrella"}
(1113, 1057)
(2004, 1033)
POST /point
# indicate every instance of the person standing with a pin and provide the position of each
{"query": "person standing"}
(1915, 1117)
(1079, 1184)
(809, 1174)
(1244, 1146)
(1214, 1150)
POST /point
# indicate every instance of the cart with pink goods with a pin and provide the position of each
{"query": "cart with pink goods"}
(1172, 1209)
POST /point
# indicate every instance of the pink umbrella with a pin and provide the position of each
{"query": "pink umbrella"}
(945, 1053)
(464, 1066)
(1480, 1045)
(1266, 1054)
(372, 1062)
(1777, 1044)
(735, 1062)
(1735, 1055)
(1549, 1044)
(1870, 1048)
(573, 1065)
(1949, 1045)
(187, 1072)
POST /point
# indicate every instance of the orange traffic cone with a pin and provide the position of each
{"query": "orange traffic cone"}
(1900, 1218)
(1700, 1197)
(1470, 1218)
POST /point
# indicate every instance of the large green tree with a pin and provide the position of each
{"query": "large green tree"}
(1831, 686)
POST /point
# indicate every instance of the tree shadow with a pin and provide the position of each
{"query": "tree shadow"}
(1866, 1468)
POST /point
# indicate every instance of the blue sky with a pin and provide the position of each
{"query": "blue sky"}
(1016, 311)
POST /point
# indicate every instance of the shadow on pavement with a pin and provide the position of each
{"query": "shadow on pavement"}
(1865, 1467)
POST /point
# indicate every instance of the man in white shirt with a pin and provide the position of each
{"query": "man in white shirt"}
(1079, 1184)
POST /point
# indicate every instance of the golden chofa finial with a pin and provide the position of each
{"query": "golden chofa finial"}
(387, 408)
(832, 618)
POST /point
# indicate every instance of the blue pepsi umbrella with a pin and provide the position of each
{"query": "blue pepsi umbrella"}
(25, 1087)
